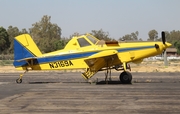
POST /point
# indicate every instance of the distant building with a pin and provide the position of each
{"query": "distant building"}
(171, 52)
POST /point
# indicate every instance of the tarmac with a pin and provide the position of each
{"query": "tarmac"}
(69, 93)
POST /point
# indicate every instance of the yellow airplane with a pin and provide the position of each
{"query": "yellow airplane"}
(85, 52)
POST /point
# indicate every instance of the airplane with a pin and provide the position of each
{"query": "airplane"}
(86, 52)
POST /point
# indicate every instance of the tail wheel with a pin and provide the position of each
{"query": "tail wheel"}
(125, 77)
(19, 81)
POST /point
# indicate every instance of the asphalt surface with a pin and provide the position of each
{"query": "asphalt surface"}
(66, 93)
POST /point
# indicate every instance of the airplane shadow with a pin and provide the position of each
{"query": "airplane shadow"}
(110, 83)
(42, 82)
(97, 83)
(54, 82)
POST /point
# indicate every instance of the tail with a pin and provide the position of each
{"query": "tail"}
(24, 47)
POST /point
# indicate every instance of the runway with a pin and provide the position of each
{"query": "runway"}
(68, 92)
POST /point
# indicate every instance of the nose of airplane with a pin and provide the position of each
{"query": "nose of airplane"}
(168, 44)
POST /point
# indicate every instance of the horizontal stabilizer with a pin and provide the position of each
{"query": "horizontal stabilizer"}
(26, 59)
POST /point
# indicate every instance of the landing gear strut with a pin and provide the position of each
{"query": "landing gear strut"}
(108, 73)
(19, 80)
(108, 70)
(125, 77)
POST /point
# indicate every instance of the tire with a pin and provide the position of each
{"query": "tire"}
(125, 77)
(19, 81)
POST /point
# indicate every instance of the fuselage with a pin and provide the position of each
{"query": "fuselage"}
(74, 59)
(80, 48)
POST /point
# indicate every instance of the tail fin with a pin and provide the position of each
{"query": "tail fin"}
(24, 47)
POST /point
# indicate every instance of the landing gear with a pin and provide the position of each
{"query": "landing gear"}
(19, 80)
(125, 77)
(108, 74)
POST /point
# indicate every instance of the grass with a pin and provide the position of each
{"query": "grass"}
(6, 62)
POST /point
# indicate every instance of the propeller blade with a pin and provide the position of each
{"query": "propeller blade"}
(164, 52)
(163, 37)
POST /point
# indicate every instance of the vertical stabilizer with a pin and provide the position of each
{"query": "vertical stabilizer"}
(24, 47)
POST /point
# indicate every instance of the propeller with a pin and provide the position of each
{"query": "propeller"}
(164, 53)
(163, 37)
(163, 40)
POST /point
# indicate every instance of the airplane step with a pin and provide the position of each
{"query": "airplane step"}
(88, 74)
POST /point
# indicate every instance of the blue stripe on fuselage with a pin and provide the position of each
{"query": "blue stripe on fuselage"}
(133, 49)
(57, 58)
(75, 56)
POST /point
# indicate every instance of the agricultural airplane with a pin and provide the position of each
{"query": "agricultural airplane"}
(85, 52)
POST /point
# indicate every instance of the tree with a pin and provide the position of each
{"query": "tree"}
(4, 40)
(153, 35)
(177, 46)
(101, 35)
(24, 31)
(130, 37)
(45, 33)
(45, 29)
(174, 36)
(61, 43)
(126, 37)
(12, 32)
(174, 39)
(134, 35)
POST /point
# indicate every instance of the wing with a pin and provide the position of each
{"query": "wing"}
(100, 60)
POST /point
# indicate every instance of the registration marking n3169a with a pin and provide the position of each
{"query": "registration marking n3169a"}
(60, 64)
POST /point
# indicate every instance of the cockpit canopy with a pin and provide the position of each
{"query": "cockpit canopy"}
(87, 41)
(81, 41)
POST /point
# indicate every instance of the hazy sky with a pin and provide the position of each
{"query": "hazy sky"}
(118, 17)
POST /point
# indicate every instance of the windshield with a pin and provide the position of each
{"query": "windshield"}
(83, 42)
(92, 39)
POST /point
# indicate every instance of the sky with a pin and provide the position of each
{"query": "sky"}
(117, 17)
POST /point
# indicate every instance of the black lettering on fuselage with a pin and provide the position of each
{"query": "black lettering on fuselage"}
(70, 63)
(60, 64)
(56, 65)
(51, 65)
(66, 63)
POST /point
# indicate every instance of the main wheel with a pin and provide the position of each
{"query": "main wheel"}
(19, 81)
(125, 77)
